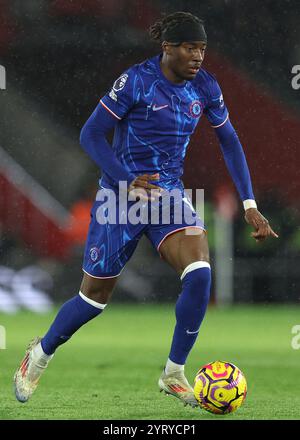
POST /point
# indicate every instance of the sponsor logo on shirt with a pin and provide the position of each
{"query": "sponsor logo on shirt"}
(156, 108)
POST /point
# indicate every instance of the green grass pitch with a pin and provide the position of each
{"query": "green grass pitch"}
(109, 369)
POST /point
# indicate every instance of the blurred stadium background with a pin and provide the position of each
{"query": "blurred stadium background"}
(60, 57)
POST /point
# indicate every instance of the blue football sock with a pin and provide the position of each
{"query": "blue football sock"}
(190, 310)
(72, 315)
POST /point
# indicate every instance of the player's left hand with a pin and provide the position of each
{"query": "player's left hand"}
(261, 225)
(142, 187)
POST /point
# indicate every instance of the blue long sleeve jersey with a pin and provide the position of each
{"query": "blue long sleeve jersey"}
(153, 120)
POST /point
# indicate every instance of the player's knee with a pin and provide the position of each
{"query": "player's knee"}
(96, 289)
(197, 276)
(100, 305)
(99, 295)
(193, 269)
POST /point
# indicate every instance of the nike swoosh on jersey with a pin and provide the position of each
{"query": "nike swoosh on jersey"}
(155, 108)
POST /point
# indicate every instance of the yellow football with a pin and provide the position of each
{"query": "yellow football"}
(220, 387)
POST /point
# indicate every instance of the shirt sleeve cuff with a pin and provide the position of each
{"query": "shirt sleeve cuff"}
(249, 203)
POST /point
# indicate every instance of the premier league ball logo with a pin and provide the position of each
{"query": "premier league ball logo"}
(119, 84)
(196, 109)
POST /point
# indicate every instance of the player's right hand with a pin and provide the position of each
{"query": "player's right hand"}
(142, 188)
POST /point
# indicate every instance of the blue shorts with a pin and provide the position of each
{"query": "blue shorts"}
(113, 236)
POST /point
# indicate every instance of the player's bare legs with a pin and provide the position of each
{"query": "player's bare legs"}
(181, 249)
(189, 256)
(93, 296)
(97, 289)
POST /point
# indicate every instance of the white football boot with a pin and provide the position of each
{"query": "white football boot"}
(177, 385)
(30, 370)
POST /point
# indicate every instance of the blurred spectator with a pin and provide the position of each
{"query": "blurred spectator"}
(79, 220)
(7, 243)
(7, 27)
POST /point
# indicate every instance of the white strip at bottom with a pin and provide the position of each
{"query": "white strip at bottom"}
(194, 266)
(91, 302)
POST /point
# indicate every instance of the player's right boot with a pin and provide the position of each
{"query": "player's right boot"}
(29, 372)
(177, 385)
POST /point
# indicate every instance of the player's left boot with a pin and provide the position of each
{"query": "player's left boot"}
(29, 372)
(177, 385)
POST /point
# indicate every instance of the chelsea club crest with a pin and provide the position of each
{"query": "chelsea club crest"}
(196, 109)
(94, 253)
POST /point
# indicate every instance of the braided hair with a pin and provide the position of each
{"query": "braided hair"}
(170, 22)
